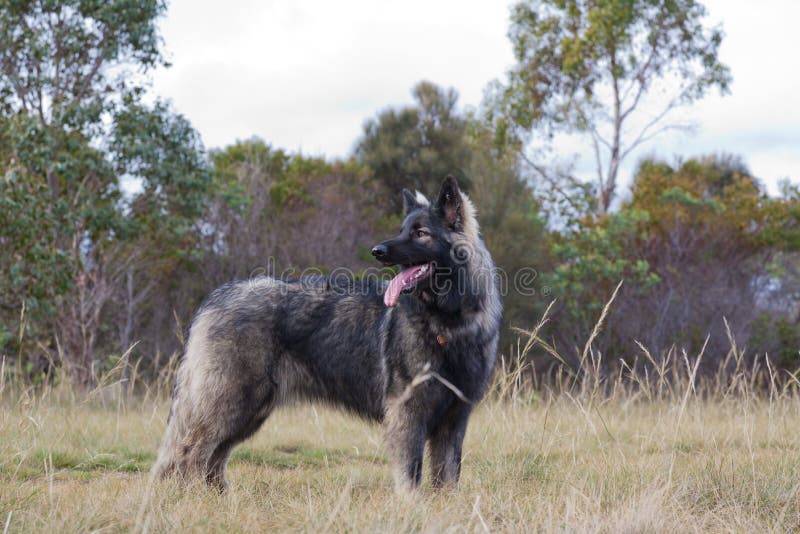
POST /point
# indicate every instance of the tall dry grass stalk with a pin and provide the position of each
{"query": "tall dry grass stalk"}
(656, 445)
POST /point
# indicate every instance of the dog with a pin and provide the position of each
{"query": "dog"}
(416, 354)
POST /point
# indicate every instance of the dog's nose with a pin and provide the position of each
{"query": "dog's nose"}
(379, 251)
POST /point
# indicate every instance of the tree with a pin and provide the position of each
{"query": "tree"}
(511, 223)
(61, 193)
(162, 233)
(277, 212)
(416, 146)
(697, 244)
(602, 69)
(65, 61)
(71, 82)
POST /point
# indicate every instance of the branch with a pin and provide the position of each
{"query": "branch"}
(552, 181)
(98, 62)
(640, 140)
(597, 139)
(11, 69)
(598, 157)
(15, 81)
(40, 96)
(635, 103)
(57, 55)
(641, 78)
(640, 75)
(592, 129)
(643, 134)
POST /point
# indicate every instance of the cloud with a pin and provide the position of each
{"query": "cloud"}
(306, 74)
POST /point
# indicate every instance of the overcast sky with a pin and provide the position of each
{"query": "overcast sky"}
(305, 74)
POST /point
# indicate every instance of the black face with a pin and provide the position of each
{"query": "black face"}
(422, 240)
(425, 240)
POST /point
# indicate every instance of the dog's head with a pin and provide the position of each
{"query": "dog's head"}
(434, 244)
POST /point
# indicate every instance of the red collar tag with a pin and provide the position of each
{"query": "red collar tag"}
(441, 340)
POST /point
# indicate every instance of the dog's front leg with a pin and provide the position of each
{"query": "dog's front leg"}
(445, 443)
(405, 443)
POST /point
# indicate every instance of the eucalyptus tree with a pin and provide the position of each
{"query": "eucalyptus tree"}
(613, 70)
(75, 131)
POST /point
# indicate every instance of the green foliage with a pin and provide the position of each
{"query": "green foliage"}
(55, 55)
(229, 162)
(33, 270)
(290, 212)
(778, 337)
(73, 130)
(585, 66)
(511, 225)
(567, 50)
(694, 244)
(56, 191)
(415, 147)
(163, 153)
(718, 198)
(593, 260)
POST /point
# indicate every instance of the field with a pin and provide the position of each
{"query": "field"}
(666, 457)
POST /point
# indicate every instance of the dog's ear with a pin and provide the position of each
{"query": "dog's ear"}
(448, 205)
(412, 201)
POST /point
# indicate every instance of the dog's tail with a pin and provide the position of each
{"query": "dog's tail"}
(173, 445)
(179, 452)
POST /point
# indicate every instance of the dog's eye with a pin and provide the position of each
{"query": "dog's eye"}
(422, 233)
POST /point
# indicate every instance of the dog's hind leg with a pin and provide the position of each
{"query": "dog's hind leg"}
(204, 429)
(215, 470)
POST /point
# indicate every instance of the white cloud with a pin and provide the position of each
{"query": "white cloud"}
(760, 119)
(305, 74)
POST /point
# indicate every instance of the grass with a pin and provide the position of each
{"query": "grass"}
(566, 462)
(654, 448)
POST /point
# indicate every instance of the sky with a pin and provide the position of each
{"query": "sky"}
(304, 75)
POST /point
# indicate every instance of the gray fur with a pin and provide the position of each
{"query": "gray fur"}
(258, 344)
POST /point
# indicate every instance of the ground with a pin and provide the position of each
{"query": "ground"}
(578, 462)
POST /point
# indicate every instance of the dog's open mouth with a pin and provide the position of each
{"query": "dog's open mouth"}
(406, 280)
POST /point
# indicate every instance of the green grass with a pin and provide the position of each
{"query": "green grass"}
(293, 456)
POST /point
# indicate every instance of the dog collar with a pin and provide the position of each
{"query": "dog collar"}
(440, 339)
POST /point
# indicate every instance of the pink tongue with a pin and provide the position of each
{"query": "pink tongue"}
(398, 283)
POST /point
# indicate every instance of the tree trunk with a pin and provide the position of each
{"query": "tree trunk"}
(78, 327)
(127, 331)
(608, 188)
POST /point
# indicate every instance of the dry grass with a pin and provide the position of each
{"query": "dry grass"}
(578, 462)
(648, 450)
